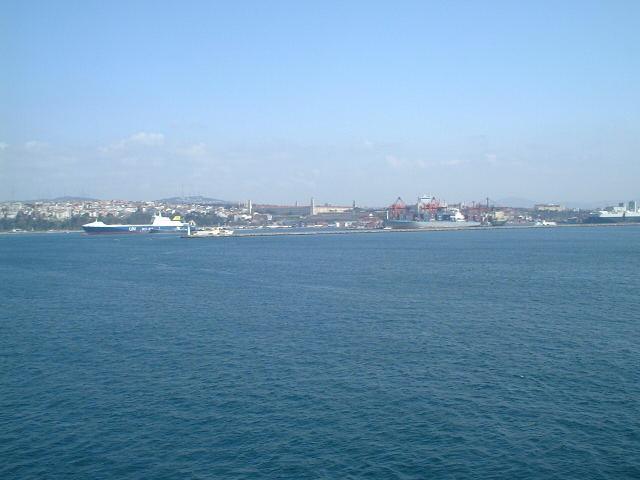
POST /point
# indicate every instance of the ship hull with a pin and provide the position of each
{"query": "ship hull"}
(131, 229)
(422, 225)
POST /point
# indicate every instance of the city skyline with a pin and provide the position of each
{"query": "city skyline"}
(282, 102)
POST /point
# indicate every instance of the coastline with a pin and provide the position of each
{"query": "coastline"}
(406, 230)
(360, 231)
(39, 232)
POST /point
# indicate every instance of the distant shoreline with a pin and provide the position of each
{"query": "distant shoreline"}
(39, 232)
(405, 230)
(377, 230)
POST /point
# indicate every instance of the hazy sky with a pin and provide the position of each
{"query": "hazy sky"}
(280, 101)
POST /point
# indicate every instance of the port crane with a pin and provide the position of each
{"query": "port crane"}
(424, 207)
(430, 206)
(397, 209)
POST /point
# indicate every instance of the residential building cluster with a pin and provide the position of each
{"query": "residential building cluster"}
(62, 209)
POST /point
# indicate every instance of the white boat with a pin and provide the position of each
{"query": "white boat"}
(211, 232)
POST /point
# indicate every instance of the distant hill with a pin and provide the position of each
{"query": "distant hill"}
(596, 203)
(69, 198)
(196, 199)
(60, 199)
(585, 205)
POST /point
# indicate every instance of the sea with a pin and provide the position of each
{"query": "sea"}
(492, 354)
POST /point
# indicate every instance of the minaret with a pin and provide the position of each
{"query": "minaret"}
(312, 210)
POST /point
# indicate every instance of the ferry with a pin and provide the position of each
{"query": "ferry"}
(619, 214)
(160, 224)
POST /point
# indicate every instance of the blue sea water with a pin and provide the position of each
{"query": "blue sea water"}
(468, 354)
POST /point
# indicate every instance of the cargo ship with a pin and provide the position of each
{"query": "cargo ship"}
(619, 214)
(428, 212)
(160, 224)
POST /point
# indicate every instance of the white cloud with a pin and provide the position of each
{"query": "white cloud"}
(3, 146)
(394, 161)
(195, 150)
(35, 146)
(147, 139)
(494, 160)
(140, 139)
(400, 163)
(452, 163)
(491, 158)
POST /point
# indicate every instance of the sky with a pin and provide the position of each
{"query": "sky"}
(281, 101)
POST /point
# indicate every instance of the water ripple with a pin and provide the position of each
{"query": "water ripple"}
(487, 354)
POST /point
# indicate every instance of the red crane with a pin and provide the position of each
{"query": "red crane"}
(397, 209)
(431, 206)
